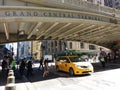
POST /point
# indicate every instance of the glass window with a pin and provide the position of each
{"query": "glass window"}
(82, 45)
(60, 42)
(70, 45)
(89, 17)
(65, 59)
(85, 17)
(77, 59)
(55, 43)
(51, 44)
(55, 49)
(92, 47)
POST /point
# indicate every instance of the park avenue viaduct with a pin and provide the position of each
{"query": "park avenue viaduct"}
(58, 20)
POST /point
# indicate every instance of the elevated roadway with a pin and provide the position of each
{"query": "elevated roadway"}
(58, 20)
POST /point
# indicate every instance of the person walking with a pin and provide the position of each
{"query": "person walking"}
(29, 68)
(4, 65)
(13, 64)
(102, 60)
(17, 62)
(41, 63)
(46, 69)
(22, 67)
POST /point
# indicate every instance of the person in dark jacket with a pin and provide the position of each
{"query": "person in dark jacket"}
(22, 67)
(29, 68)
(4, 65)
(41, 63)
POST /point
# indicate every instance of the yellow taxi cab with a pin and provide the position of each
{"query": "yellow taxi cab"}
(73, 65)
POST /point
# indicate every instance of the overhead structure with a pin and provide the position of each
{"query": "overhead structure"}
(58, 20)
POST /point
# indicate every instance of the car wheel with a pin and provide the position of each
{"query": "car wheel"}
(71, 72)
(57, 68)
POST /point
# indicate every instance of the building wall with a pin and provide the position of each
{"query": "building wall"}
(36, 49)
(50, 46)
(77, 46)
(116, 4)
(16, 3)
(98, 2)
(53, 46)
(24, 49)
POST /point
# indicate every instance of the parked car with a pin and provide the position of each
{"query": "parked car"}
(73, 65)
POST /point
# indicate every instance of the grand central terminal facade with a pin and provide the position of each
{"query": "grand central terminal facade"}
(74, 20)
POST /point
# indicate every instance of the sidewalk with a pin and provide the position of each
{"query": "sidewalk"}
(98, 67)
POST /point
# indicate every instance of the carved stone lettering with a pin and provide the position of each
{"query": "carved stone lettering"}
(14, 13)
(22, 14)
(29, 14)
(7, 13)
(36, 14)
(45, 14)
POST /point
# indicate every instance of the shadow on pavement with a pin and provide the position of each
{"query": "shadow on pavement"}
(3, 78)
(4, 75)
(38, 76)
(109, 66)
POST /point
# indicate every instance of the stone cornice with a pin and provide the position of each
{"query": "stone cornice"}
(17, 11)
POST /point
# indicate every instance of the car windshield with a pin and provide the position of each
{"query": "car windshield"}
(77, 59)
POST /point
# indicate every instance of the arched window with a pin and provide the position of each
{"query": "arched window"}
(51, 44)
(92, 47)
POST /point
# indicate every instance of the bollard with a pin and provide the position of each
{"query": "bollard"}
(10, 86)
(10, 70)
(10, 79)
(10, 74)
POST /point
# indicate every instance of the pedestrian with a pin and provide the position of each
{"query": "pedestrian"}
(4, 65)
(46, 69)
(17, 62)
(22, 67)
(41, 63)
(13, 64)
(29, 67)
(102, 60)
